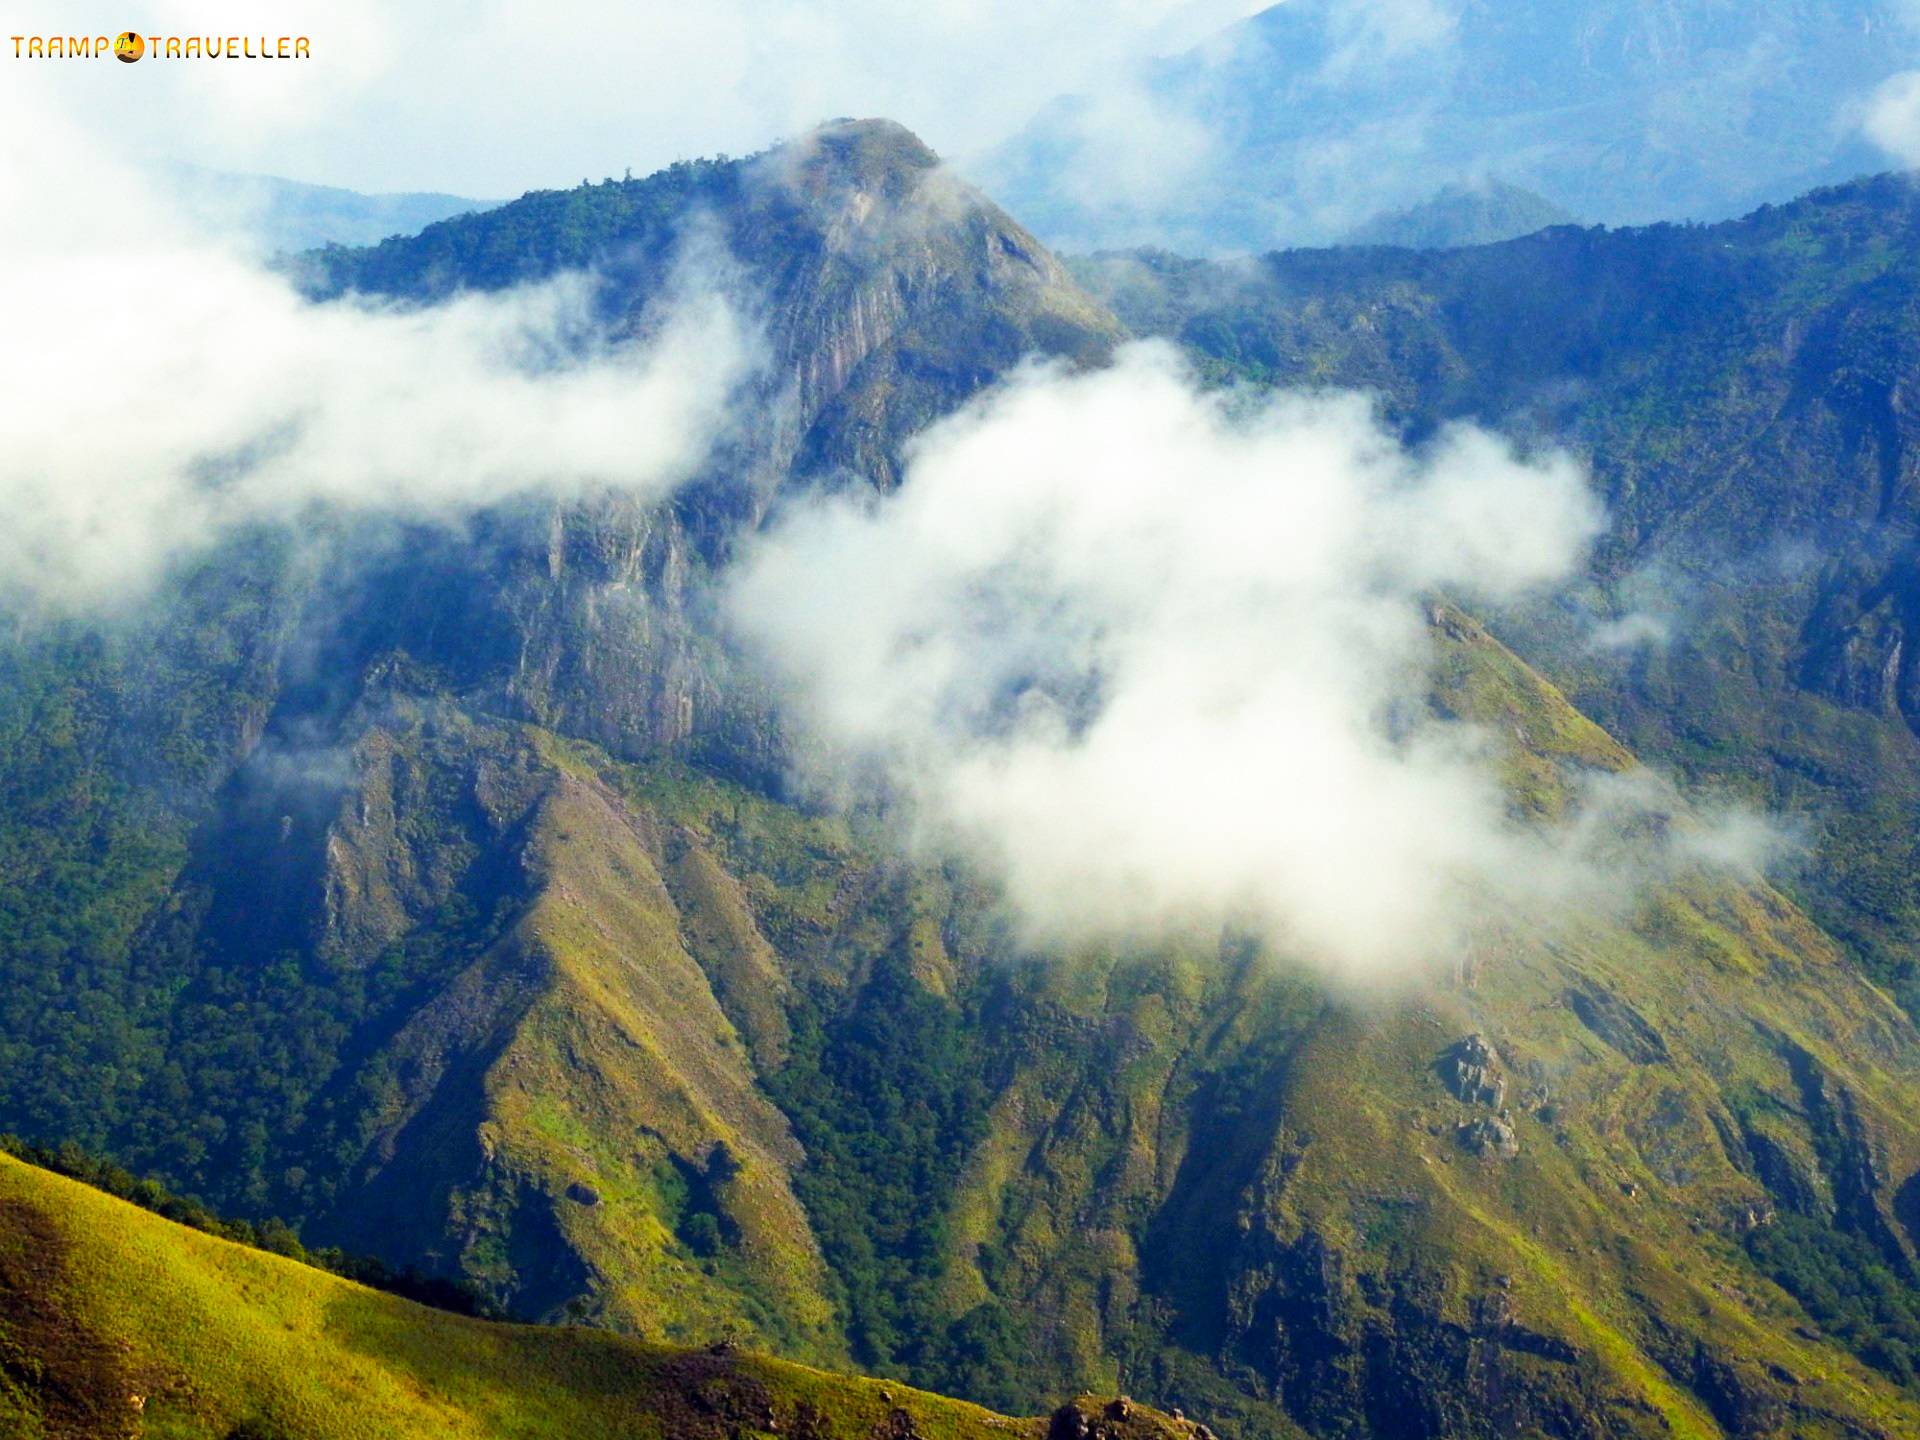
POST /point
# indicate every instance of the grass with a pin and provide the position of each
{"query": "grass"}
(114, 1322)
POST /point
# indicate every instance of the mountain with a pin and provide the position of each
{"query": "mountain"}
(115, 1323)
(1299, 123)
(1460, 215)
(405, 1009)
(287, 215)
(446, 893)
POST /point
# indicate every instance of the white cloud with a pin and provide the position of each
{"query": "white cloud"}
(1366, 33)
(494, 98)
(1892, 119)
(161, 394)
(1158, 657)
(1636, 630)
(1130, 151)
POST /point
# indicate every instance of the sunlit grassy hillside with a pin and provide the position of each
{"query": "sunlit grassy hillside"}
(114, 1322)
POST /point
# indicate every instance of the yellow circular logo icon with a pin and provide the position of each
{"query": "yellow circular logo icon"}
(129, 47)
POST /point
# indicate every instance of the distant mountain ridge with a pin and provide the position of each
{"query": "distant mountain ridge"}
(1317, 114)
(286, 216)
(1456, 216)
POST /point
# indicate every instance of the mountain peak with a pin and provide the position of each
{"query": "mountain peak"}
(890, 288)
(869, 154)
(1481, 212)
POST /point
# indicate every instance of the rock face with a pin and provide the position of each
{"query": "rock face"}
(888, 293)
(888, 289)
(921, 292)
(1619, 1024)
(1473, 1072)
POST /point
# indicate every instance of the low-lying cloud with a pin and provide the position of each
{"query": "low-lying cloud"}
(163, 394)
(1156, 656)
(1892, 117)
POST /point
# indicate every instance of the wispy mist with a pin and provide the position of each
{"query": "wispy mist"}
(1307, 121)
(163, 392)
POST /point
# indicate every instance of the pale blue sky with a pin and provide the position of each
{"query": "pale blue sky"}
(495, 98)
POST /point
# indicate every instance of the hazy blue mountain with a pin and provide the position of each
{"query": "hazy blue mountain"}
(1322, 113)
(289, 215)
(1459, 215)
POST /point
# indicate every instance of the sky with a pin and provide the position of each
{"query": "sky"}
(489, 100)
(492, 99)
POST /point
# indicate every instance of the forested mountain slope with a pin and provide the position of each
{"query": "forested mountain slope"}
(442, 892)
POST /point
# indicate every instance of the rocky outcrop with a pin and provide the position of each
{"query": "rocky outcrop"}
(1848, 1154)
(1472, 1070)
(1489, 1137)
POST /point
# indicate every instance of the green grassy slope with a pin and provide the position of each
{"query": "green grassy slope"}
(114, 1322)
(1193, 1173)
(1199, 1167)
